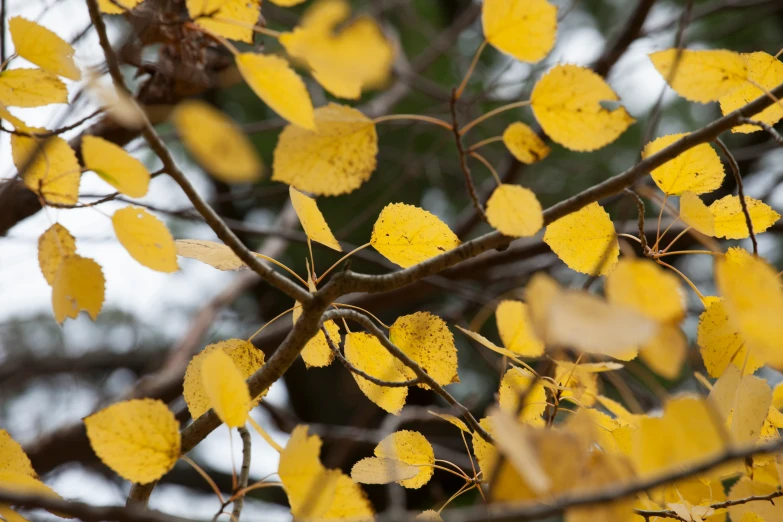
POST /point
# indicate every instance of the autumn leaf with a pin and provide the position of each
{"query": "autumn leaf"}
(54, 245)
(743, 402)
(12, 456)
(515, 330)
(78, 285)
(317, 353)
(412, 448)
(696, 214)
(246, 357)
(226, 388)
(505, 21)
(286, 3)
(273, 80)
(585, 240)
(645, 287)
(701, 76)
(48, 167)
(514, 211)
(567, 102)
(146, 238)
(665, 353)
(312, 220)
(365, 352)
(233, 19)
(373, 470)
(524, 144)
(730, 221)
(31, 88)
(519, 382)
(407, 235)
(579, 382)
(763, 70)
(217, 142)
(698, 169)
(115, 166)
(42, 47)
(427, 340)
(138, 439)
(110, 7)
(336, 158)
(720, 341)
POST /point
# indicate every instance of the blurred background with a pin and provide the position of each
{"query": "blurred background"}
(152, 323)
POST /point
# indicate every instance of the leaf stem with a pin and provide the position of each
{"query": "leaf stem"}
(205, 476)
(281, 265)
(675, 240)
(470, 70)
(343, 305)
(481, 143)
(264, 434)
(418, 117)
(684, 277)
(219, 39)
(278, 316)
(489, 166)
(710, 252)
(493, 112)
(346, 256)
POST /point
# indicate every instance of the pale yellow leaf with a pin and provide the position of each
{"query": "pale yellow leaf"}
(515, 331)
(275, 82)
(647, 288)
(216, 255)
(698, 170)
(753, 300)
(78, 285)
(427, 340)
(146, 238)
(452, 420)
(336, 158)
(317, 352)
(366, 353)
(410, 447)
(109, 6)
(12, 456)
(54, 245)
(581, 380)
(665, 353)
(743, 402)
(511, 439)
(115, 166)
(53, 171)
(696, 214)
(349, 502)
(524, 144)
(701, 76)
(585, 240)
(226, 388)
(567, 103)
(217, 142)
(525, 29)
(373, 470)
(486, 343)
(730, 222)
(721, 343)
(31, 88)
(286, 3)
(518, 382)
(233, 19)
(514, 211)
(408, 235)
(765, 511)
(764, 70)
(42, 47)
(138, 439)
(312, 220)
(429, 516)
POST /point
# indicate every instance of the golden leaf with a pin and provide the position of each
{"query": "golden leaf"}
(146, 238)
(721, 343)
(585, 240)
(514, 211)
(78, 285)
(409, 447)
(515, 383)
(698, 170)
(515, 331)
(365, 352)
(42, 47)
(427, 340)
(115, 166)
(12, 456)
(373, 470)
(226, 388)
(696, 214)
(233, 19)
(31, 88)
(645, 287)
(730, 222)
(312, 220)
(53, 171)
(525, 29)
(701, 76)
(763, 70)
(317, 352)
(524, 144)
(54, 245)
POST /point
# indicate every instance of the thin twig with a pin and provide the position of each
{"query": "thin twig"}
(640, 209)
(766, 127)
(740, 191)
(463, 160)
(244, 472)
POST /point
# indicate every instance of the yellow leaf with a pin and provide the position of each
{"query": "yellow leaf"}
(665, 353)
(31, 88)
(754, 302)
(109, 6)
(696, 214)
(594, 427)
(410, 447)
(525, 29)
(146, 239)
(581, 380)
(42, 47)
(273, 80)
(516, 383)
(78, 285)
(345, 62)
(698, 170)
(366, 353)
(451, 419)
(766, 511)
(643, 286)
(349, 502)
(742, 402)
(226, 388)
(721, 343)
(763, 70)
(12, 456)
(54, 172)
(286, 3)
(15, 481)
(373, 470)
(246, 357)
(427, 340)
(407, 235)
(514, 211)
(585, 240)
(54, 245)
(730, 222)
(701, 76)
(312, 220)
(317, 352)
(138, 439)
(217, 143)
(115, 166)
(486, 343)
(231, 19)
(515, 331)
(511, 438)
(334, 159)
(567, 104)
(524, 144)
(216, 255)
(13, 120)
(751, 517)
